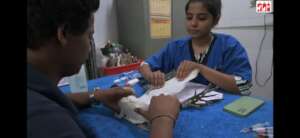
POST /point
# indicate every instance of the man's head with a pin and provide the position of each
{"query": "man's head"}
(202, 16)
(60, 31)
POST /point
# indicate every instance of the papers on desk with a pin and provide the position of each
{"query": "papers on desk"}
(194, 88)
(63, 82)
(171, 87)
(184, 90)
(128, 104)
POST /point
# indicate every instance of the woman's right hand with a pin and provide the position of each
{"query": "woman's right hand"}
(157, 78)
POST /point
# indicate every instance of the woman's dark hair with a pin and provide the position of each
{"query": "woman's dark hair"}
(213, 6)
(45, 16)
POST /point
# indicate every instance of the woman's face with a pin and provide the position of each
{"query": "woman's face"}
(199, 21)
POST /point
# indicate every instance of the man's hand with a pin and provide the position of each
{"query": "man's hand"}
(157, 78)
(185, 68)
(112, 96)
(161, 105)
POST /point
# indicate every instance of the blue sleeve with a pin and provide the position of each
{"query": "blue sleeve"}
(162, 60)
(236, 62)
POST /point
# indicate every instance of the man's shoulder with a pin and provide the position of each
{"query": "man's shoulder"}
(45, 118)
(39, 106)
(37, 101)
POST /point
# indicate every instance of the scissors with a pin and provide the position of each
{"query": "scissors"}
(198, 97)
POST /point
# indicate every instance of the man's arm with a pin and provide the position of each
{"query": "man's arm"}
(109, 97)
(162, 114)
(162, 128)
(81, 99)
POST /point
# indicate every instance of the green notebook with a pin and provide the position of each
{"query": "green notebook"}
(243, 106)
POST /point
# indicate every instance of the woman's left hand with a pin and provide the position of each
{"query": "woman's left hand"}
(185, 68)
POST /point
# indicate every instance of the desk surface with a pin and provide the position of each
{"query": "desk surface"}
(210, 121)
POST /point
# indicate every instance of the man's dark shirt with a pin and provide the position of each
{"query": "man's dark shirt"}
(50, 114)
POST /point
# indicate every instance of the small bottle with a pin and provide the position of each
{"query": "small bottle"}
(78, 82)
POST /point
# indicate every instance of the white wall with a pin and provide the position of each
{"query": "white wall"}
(250, 37)
(240, 13)
(105, 28)
(105, 23)
(241, 21)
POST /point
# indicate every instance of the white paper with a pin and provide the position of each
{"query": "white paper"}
(171, 87)
(128, 105)
(63, 82)
(189, 91)
(216, 97)
(182, 89)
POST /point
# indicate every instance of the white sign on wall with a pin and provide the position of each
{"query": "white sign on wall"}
(240, 13)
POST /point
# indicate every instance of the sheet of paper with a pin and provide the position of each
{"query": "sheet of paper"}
(160, 19)
(63, 81)
(160, 27)
(171, 87)
(191, 88)
(216, 97)
(160, 7)
(182, 89)
(189, 91)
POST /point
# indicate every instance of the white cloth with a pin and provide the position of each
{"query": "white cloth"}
(171, 87)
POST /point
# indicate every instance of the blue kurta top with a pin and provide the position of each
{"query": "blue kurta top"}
(226, 54)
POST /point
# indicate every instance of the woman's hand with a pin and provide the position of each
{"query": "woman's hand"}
(157, 78)
(185, 68)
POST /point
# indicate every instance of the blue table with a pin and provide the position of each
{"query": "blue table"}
(210, 121)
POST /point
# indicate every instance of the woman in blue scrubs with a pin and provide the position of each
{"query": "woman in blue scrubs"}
(220, 58)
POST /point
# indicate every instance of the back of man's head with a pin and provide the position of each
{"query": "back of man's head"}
(45, 16)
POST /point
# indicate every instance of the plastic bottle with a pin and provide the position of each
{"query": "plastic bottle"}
(78, 82)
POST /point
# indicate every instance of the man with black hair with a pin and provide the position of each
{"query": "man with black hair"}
(59, 33)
